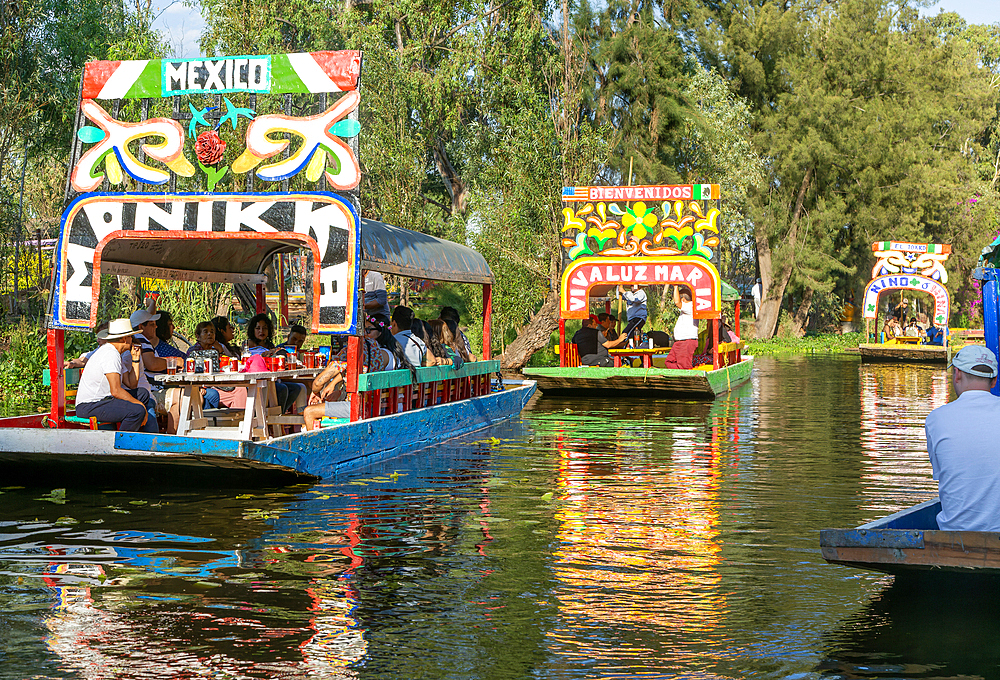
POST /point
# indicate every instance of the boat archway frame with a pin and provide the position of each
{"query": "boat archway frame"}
(583, 275)
(915, 282)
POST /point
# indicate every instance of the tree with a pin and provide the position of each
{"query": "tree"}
(870, 139)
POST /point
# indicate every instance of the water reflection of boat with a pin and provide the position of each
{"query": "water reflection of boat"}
(660, 491)
(909, 540)
(914, 628)
(131, 598)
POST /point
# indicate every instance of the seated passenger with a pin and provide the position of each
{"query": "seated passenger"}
(108, 388)
(224, 334)
(586, 340)
(413, 346)
(436, 354)
(450, 316)
(961, 443)
(328, 387)
(260, 341)
(296, 336)
(207, 347)
(935, 335)
(452, 345)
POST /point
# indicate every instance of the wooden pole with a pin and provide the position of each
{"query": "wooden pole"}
(282, 291)
(261, 300)
(715, 344)
(562, 342)
(487, 320)
(55, 345)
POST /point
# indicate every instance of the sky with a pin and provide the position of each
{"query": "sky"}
(973, 11)
(182, 25)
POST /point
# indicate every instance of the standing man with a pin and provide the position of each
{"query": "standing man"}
(962, 445)
(108, 389)
(376, 299)
(899, 311)
(757, 292)
(636, 311)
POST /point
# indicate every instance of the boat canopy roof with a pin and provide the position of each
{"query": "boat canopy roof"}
(394, 250)
(384, 248)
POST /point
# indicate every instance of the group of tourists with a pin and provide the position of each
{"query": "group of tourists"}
(401, 342)
(118, 381)
(688, 348)
(118, 377)
(899, 325)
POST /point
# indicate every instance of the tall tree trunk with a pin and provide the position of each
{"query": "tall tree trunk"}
(534, 336)
(457, 188)
(802, 313)
(774, 290)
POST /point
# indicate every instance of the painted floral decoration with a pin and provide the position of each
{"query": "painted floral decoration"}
(209, 147)
(640, 218)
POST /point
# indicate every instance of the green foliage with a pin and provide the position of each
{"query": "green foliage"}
(23, 358)
(827, 342)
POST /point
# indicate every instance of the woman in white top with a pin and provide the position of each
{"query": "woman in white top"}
(685, 332)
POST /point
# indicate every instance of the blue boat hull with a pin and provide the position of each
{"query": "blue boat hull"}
(321, 453)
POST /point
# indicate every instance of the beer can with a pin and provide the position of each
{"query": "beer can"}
(280, 362)
(207, 365)
(189, 365)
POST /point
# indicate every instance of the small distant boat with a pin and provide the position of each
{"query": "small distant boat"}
(911, 268)
(910, 541)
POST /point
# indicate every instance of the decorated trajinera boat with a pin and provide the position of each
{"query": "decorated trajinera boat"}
(646, 236)
(232, 237)
(910, 268)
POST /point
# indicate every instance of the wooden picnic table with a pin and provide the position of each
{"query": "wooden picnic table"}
(646, 353)
(261, 414)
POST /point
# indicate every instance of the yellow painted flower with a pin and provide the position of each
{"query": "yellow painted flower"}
(639, 219)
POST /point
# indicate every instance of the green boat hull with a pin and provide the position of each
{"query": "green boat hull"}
(661, 381)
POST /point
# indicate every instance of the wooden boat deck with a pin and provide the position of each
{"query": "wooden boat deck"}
(591, 379)
(904, 353)
(908, 541)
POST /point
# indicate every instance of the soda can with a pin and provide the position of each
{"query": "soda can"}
(189, 365)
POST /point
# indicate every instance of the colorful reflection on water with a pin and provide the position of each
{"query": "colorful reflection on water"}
(593, 538)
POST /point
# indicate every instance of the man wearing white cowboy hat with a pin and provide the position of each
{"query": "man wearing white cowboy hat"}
(108, 389)
(962, 444)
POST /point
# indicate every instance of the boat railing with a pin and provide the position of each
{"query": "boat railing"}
(389, 392)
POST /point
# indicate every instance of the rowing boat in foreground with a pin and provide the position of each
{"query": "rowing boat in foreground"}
(910, 540)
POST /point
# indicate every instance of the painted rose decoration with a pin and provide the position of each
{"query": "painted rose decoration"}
(209, 147)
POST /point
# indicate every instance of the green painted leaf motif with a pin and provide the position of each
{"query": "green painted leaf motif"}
(346, 128)
(699, 248)
(214, 176)
(89, 134)
(581, 247)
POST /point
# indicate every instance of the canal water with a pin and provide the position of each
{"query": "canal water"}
(593, 538)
